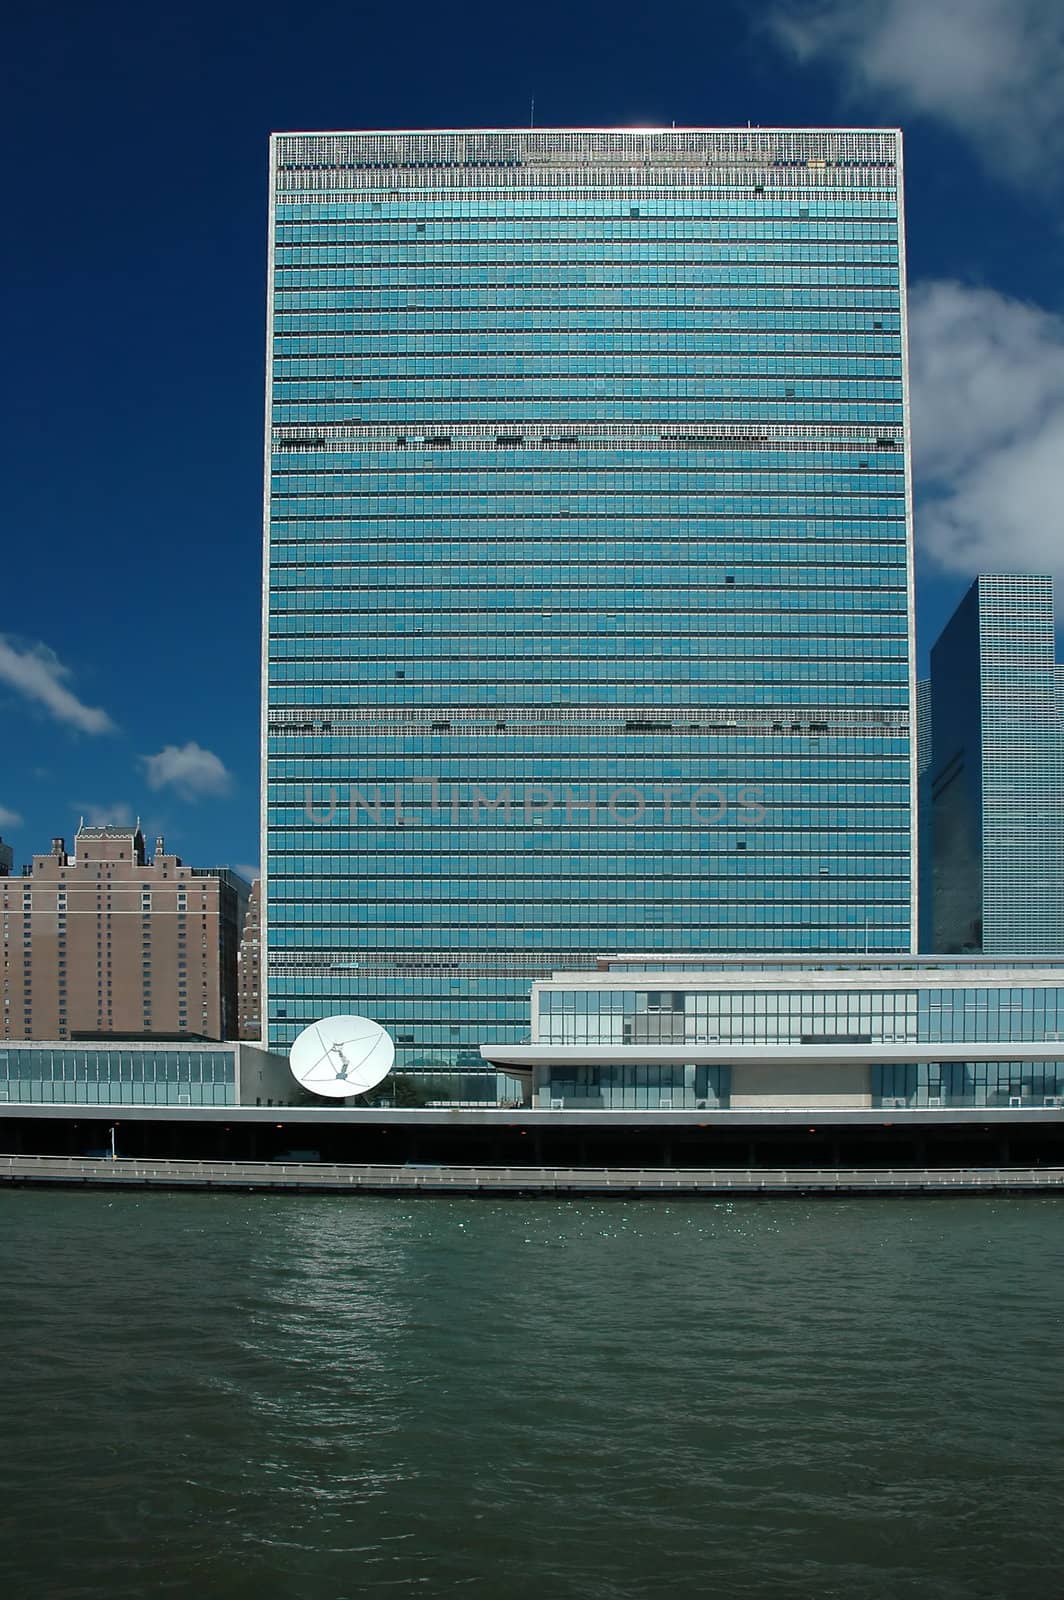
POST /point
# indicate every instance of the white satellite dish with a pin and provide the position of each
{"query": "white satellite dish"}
(340, 1056)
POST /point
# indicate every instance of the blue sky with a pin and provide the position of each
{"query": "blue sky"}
(136, 202)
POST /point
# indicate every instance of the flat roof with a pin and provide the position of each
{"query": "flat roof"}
(745, 973)
(630, 127)
(126, 1044)
(531, 1117)
(777, 1055)
(827, 958)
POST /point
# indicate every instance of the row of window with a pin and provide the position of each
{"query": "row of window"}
(788, 328)
(551, 527)
(885, 929)
(296, 852)
(635, 337)
(668, 789)
(425, 259)
(708, 678)
(513, 384)
(105, 1091)
(306, 587)
(531, 205)
(698, 613)
(575, 365)
(705, 230)
(572, 541)
(631, 484)
(798, 304)
(551, 279)
(598, 921)
(440, 413)
(364, 631)
(813, 333)
(539, 637)
(315, 700)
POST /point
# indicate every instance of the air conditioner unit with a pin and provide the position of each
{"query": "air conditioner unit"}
(934, 1099)
(184, 1099)
(1015, 1099)
(557, 1105)
(1054, 1100)
(665, 1103)
(895, 1102)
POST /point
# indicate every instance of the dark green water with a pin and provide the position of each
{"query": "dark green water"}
(241, 1396)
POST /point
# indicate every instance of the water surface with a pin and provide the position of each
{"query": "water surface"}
(254, 1396)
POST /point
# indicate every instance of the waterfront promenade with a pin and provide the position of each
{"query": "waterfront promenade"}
(129, 1172)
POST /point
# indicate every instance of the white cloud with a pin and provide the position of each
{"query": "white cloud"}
(987, 378)
(189, 769)
(37, 673)
(992, 70)
(115, 815)
(9, 819)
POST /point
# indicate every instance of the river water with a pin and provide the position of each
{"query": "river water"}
(333, 1398)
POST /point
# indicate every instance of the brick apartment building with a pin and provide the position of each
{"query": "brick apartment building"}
(105, 943)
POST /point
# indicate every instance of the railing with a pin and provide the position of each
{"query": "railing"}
(433, 1178)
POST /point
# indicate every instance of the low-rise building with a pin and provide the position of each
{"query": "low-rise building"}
(844, 1032)
(145, 1073)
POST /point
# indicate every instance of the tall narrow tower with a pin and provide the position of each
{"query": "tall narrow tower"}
(588, 596)
(995, 835)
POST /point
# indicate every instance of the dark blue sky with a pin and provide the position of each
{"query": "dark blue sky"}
(136, 205)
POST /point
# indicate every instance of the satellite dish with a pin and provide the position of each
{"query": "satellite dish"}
(341, 1056)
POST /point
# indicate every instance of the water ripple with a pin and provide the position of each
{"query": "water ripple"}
(326, 1399)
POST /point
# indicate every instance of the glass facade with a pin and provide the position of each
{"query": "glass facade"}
(115, 1075)
(588, 599)
(970, 1083)
(996, 823)
(914, 1086)
(632, 1088)
(896, 1010)
(947, 1015)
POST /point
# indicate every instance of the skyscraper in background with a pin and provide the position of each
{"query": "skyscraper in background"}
(995, 829)
(588, 589)
(924, 851)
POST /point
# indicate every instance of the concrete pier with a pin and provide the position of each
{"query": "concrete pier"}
(313, 1177)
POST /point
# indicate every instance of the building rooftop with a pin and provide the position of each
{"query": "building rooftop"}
(109, 830)
(709, 960)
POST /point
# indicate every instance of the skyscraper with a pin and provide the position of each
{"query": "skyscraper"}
(588, 604)
(996, 825)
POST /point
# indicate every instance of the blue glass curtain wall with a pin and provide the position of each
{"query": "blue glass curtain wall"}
(588, 565)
